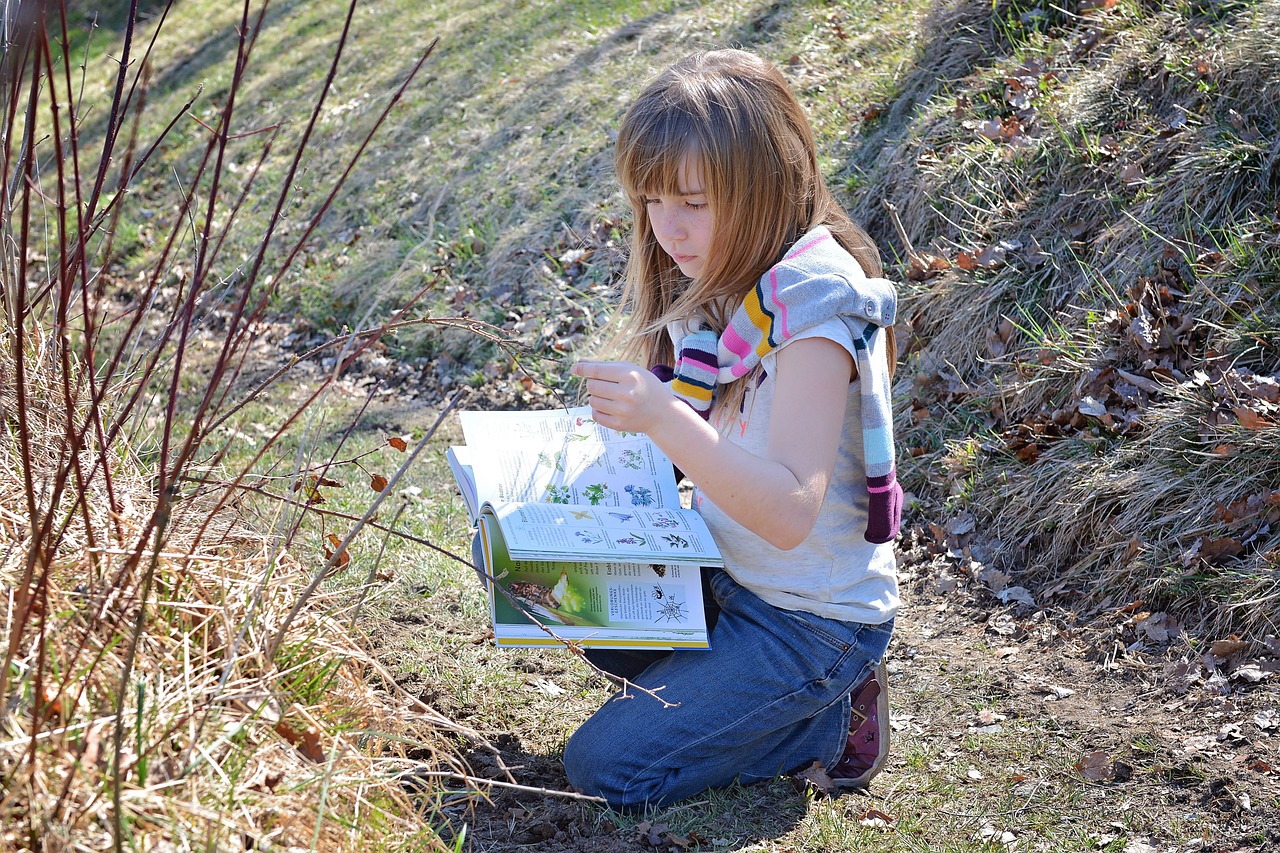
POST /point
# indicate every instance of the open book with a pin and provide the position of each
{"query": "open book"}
(583, 525)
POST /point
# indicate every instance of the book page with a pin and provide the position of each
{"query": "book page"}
(607, 605)
(564, 457)
(588, 533)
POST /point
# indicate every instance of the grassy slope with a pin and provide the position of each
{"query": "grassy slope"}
(497, 166)
(1147, 147)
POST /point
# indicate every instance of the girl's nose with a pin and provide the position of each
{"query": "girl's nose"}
(669, 223)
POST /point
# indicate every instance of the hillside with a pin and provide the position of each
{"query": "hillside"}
(319, 254)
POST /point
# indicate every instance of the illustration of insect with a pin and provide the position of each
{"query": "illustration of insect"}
(671, 611)
(659, 569)
(657, 592)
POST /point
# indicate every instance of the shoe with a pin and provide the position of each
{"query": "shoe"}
(867, 745)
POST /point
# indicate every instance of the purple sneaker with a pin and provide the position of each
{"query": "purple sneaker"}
(867, 746)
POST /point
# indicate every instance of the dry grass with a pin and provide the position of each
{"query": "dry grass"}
(175, 673)
(1145, 158)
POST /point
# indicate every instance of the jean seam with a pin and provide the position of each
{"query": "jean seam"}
(836, 643)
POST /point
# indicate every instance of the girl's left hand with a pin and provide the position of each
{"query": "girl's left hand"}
(623, 396)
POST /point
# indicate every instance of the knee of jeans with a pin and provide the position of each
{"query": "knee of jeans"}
(599, 765)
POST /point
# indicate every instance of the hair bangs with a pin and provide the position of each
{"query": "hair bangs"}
(650, 152)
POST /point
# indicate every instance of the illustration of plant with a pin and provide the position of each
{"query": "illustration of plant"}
(623, 516)
(598, 462)
(675, 541)
(640, 496)
(664, 521)
(632, 539)
(590, 537)
(552, 460)
(557, 494)
(595, 493)
(631, 459)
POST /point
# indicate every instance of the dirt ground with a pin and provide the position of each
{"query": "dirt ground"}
(1144, 722)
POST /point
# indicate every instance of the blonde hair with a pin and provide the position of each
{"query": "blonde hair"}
(734, 112)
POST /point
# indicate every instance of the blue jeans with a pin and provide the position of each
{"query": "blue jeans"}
(771, 696)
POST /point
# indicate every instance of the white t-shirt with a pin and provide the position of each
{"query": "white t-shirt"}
(834, 572)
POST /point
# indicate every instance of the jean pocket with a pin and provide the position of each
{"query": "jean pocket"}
(837, 636)
(723, 587)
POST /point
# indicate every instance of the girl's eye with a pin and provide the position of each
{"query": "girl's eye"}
(693, 206)
(648, 201)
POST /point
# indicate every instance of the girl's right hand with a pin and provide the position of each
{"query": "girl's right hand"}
(624, 396)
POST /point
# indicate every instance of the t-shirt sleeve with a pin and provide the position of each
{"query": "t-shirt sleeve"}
(833, 329)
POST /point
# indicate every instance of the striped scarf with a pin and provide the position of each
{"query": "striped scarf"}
(816, 280)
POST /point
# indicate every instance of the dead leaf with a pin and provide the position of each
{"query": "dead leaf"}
(1018, 594)
(875, 819)
(398, 443)
(817, 776)
(922, 266)
(344, 557)
(1252, 672)
(1158, 626)
(1036, 255)
(1251, 420)
(1228, 647)
(378, 483)
(1131, 173)
(1091, 407)
(993, 256)
(1219, 550)
(306, 741)
(1096, 767)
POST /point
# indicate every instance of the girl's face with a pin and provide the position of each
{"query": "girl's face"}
(682, 222)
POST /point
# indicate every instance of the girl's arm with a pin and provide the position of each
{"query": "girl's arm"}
(776, 496)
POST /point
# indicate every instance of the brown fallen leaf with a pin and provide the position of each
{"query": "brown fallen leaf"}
(1228, 647)
(1096, 767)
(1220, 549)
(306, 741)
(344, 556)
(816, 776)
(875, 819)
(1251, 420)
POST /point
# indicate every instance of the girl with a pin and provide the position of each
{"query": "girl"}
(747, 276)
